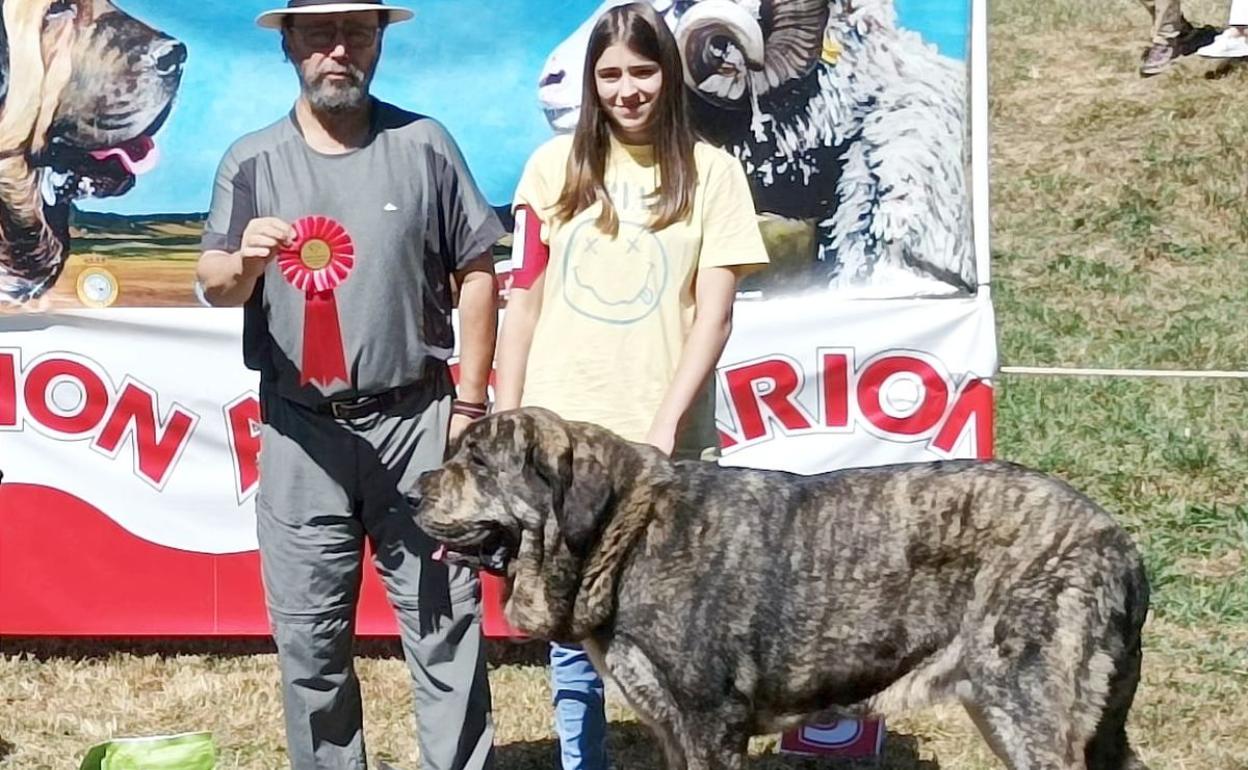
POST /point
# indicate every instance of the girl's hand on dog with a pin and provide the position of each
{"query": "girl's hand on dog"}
(459, 423)
(662, 437)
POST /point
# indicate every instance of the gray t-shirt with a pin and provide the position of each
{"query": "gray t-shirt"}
(414, 214)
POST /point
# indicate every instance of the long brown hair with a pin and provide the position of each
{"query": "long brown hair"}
(638, 27)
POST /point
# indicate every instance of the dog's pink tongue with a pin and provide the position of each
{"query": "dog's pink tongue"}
(439, 554)
(137, 156)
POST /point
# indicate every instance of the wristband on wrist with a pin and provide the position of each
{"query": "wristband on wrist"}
(470, 409)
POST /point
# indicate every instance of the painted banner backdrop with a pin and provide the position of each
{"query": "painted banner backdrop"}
(127, 422)
(856, 146)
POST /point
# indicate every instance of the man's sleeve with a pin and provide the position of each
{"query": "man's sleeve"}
(233, 204)
(467, 224)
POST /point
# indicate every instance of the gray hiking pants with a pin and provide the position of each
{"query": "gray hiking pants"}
(1168, 21)
(328, 485)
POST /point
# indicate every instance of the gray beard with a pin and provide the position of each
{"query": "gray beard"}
(325, 97)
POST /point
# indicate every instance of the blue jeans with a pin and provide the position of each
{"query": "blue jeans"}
(580, 719)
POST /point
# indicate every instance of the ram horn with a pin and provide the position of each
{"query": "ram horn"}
(721, 46)
(725, 53)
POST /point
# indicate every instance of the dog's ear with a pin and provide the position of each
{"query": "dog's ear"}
(568, 463)
(584, 504)
(548, 452)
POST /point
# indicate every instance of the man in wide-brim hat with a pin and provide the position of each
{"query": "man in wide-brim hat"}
(340, 228)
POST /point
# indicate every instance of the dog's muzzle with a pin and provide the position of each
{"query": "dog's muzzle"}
(491, 554)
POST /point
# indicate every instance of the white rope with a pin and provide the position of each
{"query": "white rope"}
(1192, 374)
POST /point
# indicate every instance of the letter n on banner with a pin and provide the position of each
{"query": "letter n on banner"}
(158, 444)
(973, 404)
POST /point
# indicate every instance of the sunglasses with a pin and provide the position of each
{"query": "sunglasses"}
(322, 36)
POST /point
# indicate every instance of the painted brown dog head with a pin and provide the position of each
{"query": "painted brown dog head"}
(529, 495)
(83, 86)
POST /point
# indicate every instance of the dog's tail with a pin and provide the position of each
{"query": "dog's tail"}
(1109, 748)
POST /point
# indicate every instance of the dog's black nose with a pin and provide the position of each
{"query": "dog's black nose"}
(169, 55)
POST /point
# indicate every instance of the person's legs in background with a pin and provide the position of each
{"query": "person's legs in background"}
(580, 713)
(1172, 36)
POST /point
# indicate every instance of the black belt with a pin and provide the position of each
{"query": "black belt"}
(354, 408)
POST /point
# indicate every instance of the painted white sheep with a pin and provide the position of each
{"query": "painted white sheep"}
(839, 116)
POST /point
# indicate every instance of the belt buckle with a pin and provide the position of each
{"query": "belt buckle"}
(359, 406)
(349, 410)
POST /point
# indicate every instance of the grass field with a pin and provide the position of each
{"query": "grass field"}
(1119, 234)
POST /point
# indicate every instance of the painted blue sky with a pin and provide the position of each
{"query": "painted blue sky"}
(473, 64)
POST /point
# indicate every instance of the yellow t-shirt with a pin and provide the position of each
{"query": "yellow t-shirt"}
(616, 311)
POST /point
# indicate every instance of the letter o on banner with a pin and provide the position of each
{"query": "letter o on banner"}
(49, 387)
(930, 404)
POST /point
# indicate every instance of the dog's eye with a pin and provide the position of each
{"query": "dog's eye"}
(476, 460)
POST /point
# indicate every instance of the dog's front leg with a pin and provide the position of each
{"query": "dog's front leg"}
(689, 740)
(645, 689)
(715, 741)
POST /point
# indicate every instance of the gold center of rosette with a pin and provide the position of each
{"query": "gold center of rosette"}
(314, 254)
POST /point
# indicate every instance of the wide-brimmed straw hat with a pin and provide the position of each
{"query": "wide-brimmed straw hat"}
(273, 19)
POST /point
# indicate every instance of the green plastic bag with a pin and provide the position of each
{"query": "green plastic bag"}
(187, 751)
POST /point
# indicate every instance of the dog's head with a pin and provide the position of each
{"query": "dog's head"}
(529, 495)
(83, 87)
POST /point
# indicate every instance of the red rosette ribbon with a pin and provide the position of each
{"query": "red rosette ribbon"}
(318, 260)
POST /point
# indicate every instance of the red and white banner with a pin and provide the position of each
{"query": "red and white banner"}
(128, 450)
(808, 384)
(129, 438)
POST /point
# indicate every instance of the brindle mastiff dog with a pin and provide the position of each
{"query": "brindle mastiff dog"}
(729, 602)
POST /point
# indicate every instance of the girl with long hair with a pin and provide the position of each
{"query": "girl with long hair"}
(630, 237)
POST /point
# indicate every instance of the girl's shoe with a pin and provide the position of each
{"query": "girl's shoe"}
(1230, 44)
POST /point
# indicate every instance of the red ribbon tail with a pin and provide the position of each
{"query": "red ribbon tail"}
(323, 357)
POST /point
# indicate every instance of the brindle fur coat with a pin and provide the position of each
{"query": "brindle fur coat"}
(729, 602)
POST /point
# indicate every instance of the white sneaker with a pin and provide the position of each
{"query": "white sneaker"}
(1229, 44)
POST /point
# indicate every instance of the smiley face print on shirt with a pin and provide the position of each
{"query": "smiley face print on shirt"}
(615, 280)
